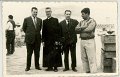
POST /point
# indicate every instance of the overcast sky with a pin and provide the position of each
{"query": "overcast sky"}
(102, 12)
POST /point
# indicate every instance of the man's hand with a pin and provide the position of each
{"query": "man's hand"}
(56, 43)
(78, 28)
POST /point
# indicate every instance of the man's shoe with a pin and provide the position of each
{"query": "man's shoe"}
(74, 70)
(88, 72)
(8, 54)
(27, 69)
(38, 68)
(49, 69)
(65, 69)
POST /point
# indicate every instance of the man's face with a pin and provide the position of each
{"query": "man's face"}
(48, 12)
(34, 12)
(67, 15)
(84, 16)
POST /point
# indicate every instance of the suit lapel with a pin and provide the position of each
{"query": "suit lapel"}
(65, 25)
(70, 23)
(32, 22)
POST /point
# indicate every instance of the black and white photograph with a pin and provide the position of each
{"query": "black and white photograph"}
(47, 39)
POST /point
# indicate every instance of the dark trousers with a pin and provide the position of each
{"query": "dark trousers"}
(10, 40)
(52, 55)
(72, 48)
(30, 48)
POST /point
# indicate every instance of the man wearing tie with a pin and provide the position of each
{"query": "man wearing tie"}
(70, 39)
(32, 27)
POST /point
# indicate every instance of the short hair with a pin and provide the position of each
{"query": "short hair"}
(68, 11)
(10, 16)
(47, 8)
(86, 11)
(33, 8)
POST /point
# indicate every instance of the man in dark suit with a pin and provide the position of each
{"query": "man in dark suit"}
(32, 27)
(70, 39)
(51, 39)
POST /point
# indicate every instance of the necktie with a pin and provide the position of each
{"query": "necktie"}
(68, 23)
(35, 22)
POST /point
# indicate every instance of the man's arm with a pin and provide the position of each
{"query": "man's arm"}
(91, 26)
(41, 24)
(43, 31)
(79, 28)
(8, 25)
(24, 25)
(76, 23)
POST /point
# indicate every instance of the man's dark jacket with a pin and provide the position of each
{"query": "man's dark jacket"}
(69, 33)
(30, 31)
(51, 33)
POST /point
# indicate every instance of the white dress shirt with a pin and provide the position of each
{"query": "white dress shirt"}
(9, 26)
(67, 21)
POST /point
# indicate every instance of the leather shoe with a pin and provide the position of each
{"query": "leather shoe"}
(88, 72)
(27, 69)
(49, 69)
(65, 69)
(74, 70)
(38, 68)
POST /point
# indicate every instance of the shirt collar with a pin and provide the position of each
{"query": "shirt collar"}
(67, 20)
(49, 17)
(33, 17)
(88, 19)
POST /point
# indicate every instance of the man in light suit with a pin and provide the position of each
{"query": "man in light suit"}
(32, 27)
(86, 29)
(70, 39)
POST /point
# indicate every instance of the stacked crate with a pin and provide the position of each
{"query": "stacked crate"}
(109, 52)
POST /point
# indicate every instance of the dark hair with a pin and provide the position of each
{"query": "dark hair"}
(10, 16)
(34, 8)
(67, 11)
(86, 11)
(47, 8)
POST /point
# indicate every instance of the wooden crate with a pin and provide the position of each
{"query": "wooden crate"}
(109, 54)
(114, 65)
(107, 69)
(110, 47)
(108, 42)
(102, 59)
(109, 39)
(108, 62)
